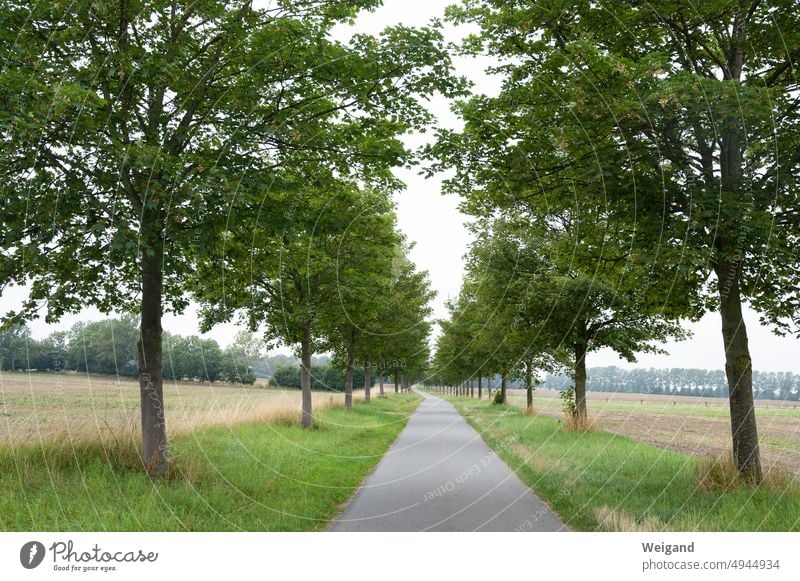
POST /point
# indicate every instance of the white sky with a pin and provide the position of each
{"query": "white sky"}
(434, 223)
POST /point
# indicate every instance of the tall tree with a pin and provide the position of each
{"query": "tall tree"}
(363, 271)
(402, 347)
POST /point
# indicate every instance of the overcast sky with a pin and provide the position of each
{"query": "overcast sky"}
(434, 223)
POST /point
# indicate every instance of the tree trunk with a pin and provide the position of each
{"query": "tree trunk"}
(738, 368)
(367, 378)
(580, 382)
(480, 388)
(305, 377)
(729, 266)
(397, 383)
(503, 387)
(380, 380)
(155, 451)
(529, 383)
(348, 375)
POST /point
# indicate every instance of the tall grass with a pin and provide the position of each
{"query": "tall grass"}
(721, 475)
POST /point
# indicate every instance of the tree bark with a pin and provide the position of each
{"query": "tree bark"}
(397, 383)
(305, 377)
(738, 369)
(367, 378)
(580, 381)
(729, 266)
(348, 376)
(155, 450)
(380, 381)
(529, 383)
(503, 387)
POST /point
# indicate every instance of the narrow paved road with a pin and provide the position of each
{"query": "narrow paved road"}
(441, 476)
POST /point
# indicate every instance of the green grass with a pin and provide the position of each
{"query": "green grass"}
(602, 481)
(254, 477)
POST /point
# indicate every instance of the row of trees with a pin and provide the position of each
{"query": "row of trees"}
(638, 166)
(109, 347)
(526, 306)
(162, 152)
(780, 385)
(323, 377)
(266, 366)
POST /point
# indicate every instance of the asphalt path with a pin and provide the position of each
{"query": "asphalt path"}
(441, 476)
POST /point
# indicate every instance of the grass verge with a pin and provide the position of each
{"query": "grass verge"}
(253, 476)
(602, 481)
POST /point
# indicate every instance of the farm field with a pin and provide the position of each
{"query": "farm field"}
(78, 407)
(692, 425)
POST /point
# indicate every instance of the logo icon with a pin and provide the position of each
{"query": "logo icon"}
(31, 554)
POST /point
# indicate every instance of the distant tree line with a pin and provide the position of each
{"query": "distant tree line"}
(267, 365)
(109, 347)
(780, 385)
(323, 378)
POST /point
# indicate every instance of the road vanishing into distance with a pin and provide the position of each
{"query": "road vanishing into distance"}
(441, 476)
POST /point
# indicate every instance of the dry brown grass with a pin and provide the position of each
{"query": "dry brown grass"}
(90, 410)
(719, 474)
(573, 424)
(527, 454)
(617, 520)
